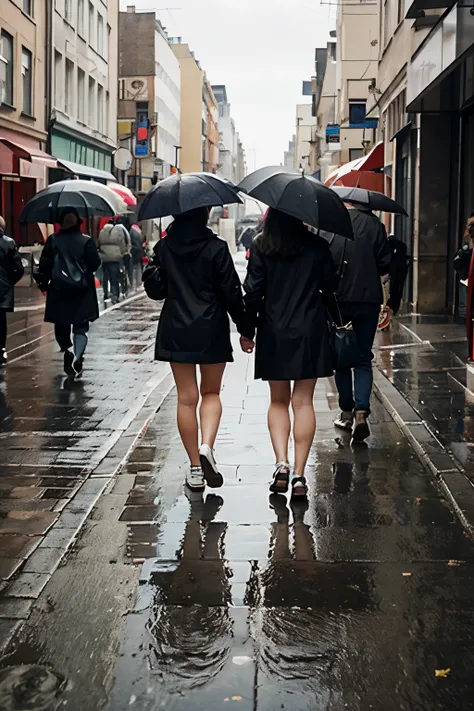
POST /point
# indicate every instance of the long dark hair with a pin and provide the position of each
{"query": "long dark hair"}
(282, 235)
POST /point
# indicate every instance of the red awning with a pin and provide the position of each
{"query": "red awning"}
(35, 155)
(360, 172)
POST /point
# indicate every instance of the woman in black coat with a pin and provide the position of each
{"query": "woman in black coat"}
(289, 272)
(193, 272)
(11, 271)
(70, 308)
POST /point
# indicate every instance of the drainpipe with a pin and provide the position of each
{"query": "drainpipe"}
(49, 73)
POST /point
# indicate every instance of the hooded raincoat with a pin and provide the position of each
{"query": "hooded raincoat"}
(200, 286)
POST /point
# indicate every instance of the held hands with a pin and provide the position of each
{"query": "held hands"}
(247, 345)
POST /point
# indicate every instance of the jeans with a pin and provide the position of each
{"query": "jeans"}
(63, 337)
(364, 318)
(3, 329)
(111, 272)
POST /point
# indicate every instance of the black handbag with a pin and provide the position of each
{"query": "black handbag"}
(345, 352)
(154, 282)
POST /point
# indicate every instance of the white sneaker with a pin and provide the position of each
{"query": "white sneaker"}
(195, 479)
(212, 475)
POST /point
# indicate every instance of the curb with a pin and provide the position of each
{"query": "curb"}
(440, 465)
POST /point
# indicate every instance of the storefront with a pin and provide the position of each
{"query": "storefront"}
(23, 172)
(80, 157)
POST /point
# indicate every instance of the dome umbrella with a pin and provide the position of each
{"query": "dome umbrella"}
(89, 198)
(187, 191)
(301, 196)
(369, 199)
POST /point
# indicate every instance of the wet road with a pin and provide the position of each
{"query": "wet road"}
(360, 600)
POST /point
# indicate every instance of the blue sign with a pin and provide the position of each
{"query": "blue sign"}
(333, 133)
(141, 151)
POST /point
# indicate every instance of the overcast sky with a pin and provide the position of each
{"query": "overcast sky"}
(261, 50)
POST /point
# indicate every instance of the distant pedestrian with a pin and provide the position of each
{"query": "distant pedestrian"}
(247, 237)
(361, 263)
(11, 271)
(113, 247)
(138, 252)
(193, 272)
(66, 271)
(290, 273)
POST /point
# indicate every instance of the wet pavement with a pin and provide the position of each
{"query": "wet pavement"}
(170, 600)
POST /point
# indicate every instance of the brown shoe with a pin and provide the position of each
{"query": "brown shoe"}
(360, 430)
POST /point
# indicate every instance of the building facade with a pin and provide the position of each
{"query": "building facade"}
(149, 109)
(357, 35)
(24, 164)
(289, 155)
(227, 135)
(210, 109)
(305, 122)
(82, 61)
(326, 140)
(194, 115)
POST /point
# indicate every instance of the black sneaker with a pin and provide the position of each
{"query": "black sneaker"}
(68, 361)
(360, 429)
(78, 367)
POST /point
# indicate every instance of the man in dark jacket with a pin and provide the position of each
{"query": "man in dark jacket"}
(70, 308)
(11, 271)
(138, 253)
(361, 263)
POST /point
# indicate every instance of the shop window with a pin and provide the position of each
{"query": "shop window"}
(26, 77)
(6, 68)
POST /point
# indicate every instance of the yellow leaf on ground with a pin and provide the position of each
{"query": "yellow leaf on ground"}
(407, 575)
(442, 672)
(237, 698)
(453, 563)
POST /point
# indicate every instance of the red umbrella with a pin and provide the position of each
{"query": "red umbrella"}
(125, 193)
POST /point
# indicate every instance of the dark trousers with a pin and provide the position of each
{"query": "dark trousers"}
(62, 333)
(111, 272)
(354, 385)
(3, 329)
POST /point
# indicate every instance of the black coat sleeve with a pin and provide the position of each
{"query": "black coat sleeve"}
(229, 289)
(154, 278)
(91, 256)
(254, 287)
(382, 251)
(17, 269)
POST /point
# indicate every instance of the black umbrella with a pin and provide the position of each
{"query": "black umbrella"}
(301, 196)
(370, 199)
(89, 198)
(187, 191)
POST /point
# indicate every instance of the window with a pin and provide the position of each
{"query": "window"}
(28, 7)
(91, 25)
(100, 108)
(100, 34)
(107, 113)
(91, 102)
(58, 80)
(400, 11)
(69, 88)
(80, 18)
(26, 77)
(68, 10)
(6, 68)
(386, 22)
(81, 95)
(357, 113)
(355, 153)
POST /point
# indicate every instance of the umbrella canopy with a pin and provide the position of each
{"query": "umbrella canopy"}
(364, 172)
(301, 196)
(187, 191)
(369, 199)
(89, 198)
(123, 192)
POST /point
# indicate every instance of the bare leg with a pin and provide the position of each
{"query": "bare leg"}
(211, 406)
(188, 397)
(304, 425)
(279, 418)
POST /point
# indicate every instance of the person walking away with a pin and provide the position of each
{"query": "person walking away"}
(11, 271)
(138, 252)
(112, 249)
(361, 264)
(193, 271)
(122, 223)
(290, 276)
(66, 271)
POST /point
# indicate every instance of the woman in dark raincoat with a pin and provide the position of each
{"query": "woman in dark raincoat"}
(194, 273)
(70, 310)
(289, 272)
(11, 271)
